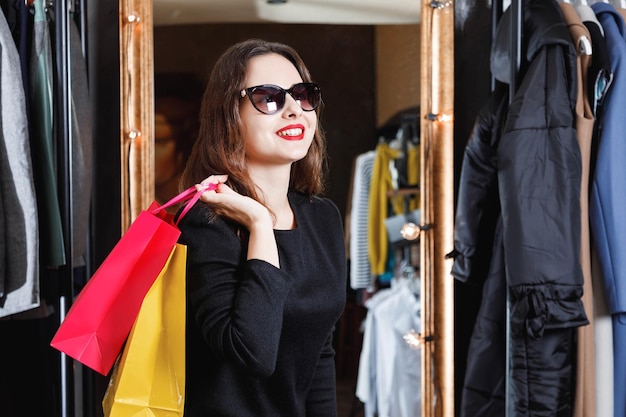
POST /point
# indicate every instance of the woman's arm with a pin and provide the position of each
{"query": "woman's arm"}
(237, 303)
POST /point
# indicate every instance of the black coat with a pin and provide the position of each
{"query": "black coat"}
(523, 162)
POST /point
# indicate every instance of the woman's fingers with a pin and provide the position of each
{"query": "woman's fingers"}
(214, 179)
(214, 189)
(211, 183)
(239, 208)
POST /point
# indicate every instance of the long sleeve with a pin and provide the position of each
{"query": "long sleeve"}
(52, 253)
(237, 306)
(478, 206)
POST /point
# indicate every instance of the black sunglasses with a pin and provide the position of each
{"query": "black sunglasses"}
(269, 98)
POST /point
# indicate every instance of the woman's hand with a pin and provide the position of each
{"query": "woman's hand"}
(245, 211)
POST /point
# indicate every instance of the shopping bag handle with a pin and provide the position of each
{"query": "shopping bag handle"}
(191, 195)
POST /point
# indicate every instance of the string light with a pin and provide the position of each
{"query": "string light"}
(134, 134)
(133, 18)
(410, 231)
(440, 4)
(443, 117)
(415, 340)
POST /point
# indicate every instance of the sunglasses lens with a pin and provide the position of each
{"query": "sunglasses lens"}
(267, 99)
(308, 95)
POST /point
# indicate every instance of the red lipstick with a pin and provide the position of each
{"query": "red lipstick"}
(291, 132)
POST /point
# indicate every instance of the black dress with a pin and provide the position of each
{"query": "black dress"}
(259, 338)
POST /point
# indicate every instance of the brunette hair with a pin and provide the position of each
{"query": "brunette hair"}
(220, 148)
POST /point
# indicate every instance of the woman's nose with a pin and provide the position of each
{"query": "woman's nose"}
(292, 106)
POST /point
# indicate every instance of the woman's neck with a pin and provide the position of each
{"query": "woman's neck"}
(274, 186)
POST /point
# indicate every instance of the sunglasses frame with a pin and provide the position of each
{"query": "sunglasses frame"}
(249, 92)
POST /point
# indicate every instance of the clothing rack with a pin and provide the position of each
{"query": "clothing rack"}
(63, 9)
(515, 51)
(58, 373)
(64, 156)
(515, 61)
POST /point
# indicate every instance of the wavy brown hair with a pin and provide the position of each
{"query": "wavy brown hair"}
(220, 148)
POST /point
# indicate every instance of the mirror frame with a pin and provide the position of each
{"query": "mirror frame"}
(437, 207)
(436, 176)
(136, 108)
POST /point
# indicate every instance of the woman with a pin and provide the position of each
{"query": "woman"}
(266, 268)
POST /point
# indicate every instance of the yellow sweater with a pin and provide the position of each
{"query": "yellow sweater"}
(379, 200)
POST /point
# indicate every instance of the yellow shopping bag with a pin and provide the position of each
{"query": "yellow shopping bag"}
(149, 377)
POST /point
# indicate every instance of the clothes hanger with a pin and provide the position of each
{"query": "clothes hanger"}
(585, 43)
(585, 46)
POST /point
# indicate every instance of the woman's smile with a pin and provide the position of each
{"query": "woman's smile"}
(292, 132)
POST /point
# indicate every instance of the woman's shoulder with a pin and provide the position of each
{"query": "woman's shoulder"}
(199, 214)
(316, 201)
(201, 221)
(208, 236)
(319, 205)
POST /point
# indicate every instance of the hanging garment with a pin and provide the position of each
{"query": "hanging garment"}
(483, 393)
(599, 81)
(587, 15)
(478, 207)
(19, 19)
(478, 260)
(585, 399)
(476, 248)
(82, 147)
(383, 181)
(599, 74)
(603, 324)
(366, 375)
(388, 380)
(51, 246)
(360, 271)
(537, 155)
(18, 206)
(607, 205)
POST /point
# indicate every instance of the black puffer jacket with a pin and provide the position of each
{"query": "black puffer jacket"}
(531, 167)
